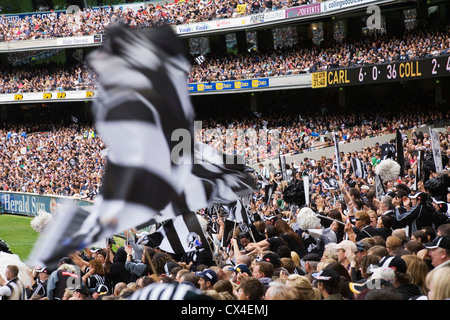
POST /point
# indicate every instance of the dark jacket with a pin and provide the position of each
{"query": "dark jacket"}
(409, 290)
(366, 232)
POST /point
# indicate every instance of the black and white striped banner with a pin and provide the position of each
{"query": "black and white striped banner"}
(359, 168)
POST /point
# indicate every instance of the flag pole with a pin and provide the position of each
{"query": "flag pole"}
(150, 262)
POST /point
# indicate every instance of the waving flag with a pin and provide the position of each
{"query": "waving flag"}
(181, 234)
(359, 168)
(143, 101)
(400, 157)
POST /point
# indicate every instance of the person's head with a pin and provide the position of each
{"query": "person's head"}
(99, 291)
(281, 291)
(414, 246)
(417, 270)
(97, 267)
(12, 271)
(362, 219)
(263, 269)
(207, 279)
(443, 230)
(378, 250)
(362, 247)
(384, 221)
(224, 286)
(244, 239)
(310, 261)
(438, 283)
(342, 247)
(365, 264)
(439, 250)
(81, 292)
(68, 293)
(430, 232)
(386, 203)
(251, 288)
(328, 282)
(190, 278)
(419, 235)
(43, 273)
(144, 281)
(373, 218)
(303, 284)
(384, 293)
(418, 198)
(393, 244)
(119, 287)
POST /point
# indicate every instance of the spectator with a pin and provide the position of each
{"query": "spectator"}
(280, 291)
(303, 284)
(251, 288)
(12, 288)
(39, 282)
(417, 269)
(439, 251)
(329, 284)
(438, 283)
(207, 279)
(263, 271)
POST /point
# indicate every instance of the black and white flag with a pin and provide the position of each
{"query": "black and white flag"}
(200, 59)
(387, 151)
(143, 106)
(359, 168)
(182, 234)
(337, 156)
(282, 159)
(435, 147)
(379, 187)
(237, 212)
(400, 157)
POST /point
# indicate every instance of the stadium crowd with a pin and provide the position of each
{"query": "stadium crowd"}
(67, 159)
(91, 22)
(284, 61)
(349, 243)
(55, 160)
(46, 77)
(299, 59)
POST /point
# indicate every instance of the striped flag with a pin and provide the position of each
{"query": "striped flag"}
(169, 291)
(143, 102)
(182, 234)
(379, 187)
(337, 156)
(400, 157)
(237, 212)
(282, 159)
(435, 147)
(200, 59)
(359, 168)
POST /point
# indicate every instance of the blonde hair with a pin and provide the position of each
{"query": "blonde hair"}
(296, 258)
(323, 264)
(305, 287)
(393, 242)
(417, 270)
(439, 281)
(280, 291)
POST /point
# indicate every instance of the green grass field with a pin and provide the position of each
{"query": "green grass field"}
(17, 232)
